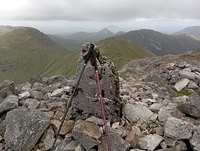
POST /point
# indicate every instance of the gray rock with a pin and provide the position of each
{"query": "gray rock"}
(79, 148)
(150, 142)
(55, 79)
(87, 98)
(133, 139)
(116, 142)
(95, 120)
(192, 85)
(191, 106)
(167, 111)
(7, 87)
(57, 92)
(136, 112)
(195, 140)
(31, 103)
(55, 105)
(155, 107)
(24, 128)
(181, 84)
(181, 146)
(197, 75)
(9, 103)
(48, 138)
(26, 87)
(2, 127)
(67, 146)
(86, 133)
(170, 141)
(36, 95)
(178, 129)
(186, 73)
(24, 95)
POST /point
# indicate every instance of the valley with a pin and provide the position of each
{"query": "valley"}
(27, 52)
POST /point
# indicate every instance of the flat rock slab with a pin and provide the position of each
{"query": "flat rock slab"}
(24, 128)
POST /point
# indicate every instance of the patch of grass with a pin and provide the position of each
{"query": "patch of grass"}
(122, 52)
(185, 93)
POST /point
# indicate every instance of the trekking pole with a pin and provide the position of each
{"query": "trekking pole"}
(101, 101)
(72, 96)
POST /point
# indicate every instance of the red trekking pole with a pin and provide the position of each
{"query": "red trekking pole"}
(94, 63)
(92, 56)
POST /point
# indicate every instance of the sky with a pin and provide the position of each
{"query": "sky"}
(65, 16)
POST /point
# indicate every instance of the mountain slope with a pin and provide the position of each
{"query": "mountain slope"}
(6, 29)
(26, 52)
(120, 51)
(192, 30)
(74, 42)
(3, 30)
(161, 44)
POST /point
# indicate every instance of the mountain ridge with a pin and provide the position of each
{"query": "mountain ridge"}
(159, 43)
(191, 30)
(27, 51)
(74, 41)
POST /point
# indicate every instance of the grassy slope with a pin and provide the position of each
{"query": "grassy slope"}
(3, 30)
(26, 52)
(121, 52)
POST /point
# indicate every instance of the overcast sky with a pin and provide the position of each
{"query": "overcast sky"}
(51, 16)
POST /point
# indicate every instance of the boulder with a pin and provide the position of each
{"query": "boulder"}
(178, 129)
(181, 84)
(116, 142)
(67, 146)
(24, 128)
(87, 133)
(133, 139)
(136, 112)
(186, 73)
(150, 142)
(48, 138)
(167, 111)
(9, 103)
(7, 87)
(31, 103)
(195, 140)
(191, 106)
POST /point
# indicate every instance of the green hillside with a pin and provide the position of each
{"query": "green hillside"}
(27, 52)
(121, 52)
(3, 30)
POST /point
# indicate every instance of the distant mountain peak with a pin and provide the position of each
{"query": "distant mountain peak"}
(105, 31)
(114, 28)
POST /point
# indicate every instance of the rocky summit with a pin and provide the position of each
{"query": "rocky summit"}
(151, 104)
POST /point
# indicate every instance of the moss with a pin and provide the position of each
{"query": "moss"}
(185, 93)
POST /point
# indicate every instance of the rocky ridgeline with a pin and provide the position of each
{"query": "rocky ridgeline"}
(153, 105)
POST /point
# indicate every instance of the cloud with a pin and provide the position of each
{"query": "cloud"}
(99, 10)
